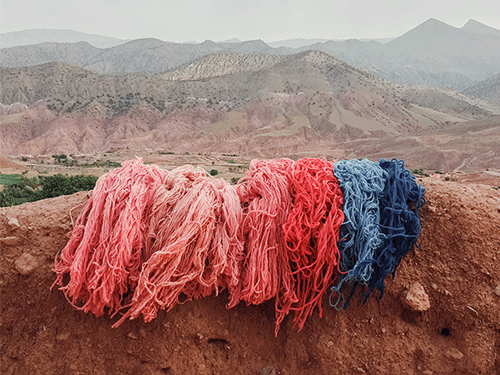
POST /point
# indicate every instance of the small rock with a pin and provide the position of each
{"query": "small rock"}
(13, 223)
(10, 241)
(497, 290)
(268, 370)
(133, 336)
(417, 299)
(26, 264)
(63, 336)
(454, 354)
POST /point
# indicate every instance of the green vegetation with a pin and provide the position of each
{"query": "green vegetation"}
(36, 188)
(9, 179)
(213, 172)
(102, 164)
(166, 153)
(419, 172)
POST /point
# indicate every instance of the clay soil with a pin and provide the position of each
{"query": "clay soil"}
(458, 265)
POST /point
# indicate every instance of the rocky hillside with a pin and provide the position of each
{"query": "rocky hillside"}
(136, 56)
(221, 64)
(438, 316)
(245, 103)
(488, 90)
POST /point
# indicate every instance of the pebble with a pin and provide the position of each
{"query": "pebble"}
(63, 336)
(26, 264)
(417, 299)
(13, 223)
(454, 354)
(268, 370)
(497, 290)
(133, 336)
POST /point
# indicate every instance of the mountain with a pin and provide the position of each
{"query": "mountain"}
(488, 90)
(436, 54)
(137, 56)
(480, 28)
(222, 63)
(38, 36)
(301, 42)
(264, 106)
(432, 54)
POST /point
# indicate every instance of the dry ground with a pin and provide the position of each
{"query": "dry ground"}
(457, 264)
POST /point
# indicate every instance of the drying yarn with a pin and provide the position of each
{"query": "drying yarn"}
(311, 235)
(104, 254)
(399, 221)
(148, 239)
(194, 241)
(361, 181)
(266, 201)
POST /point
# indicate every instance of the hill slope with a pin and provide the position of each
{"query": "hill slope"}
(266, 106)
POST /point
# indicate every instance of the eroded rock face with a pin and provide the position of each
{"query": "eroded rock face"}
(456, 266)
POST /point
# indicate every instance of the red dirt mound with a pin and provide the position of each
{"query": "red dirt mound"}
(457, 267)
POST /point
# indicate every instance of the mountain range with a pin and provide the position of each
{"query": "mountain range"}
(432, 54)
(228, 102)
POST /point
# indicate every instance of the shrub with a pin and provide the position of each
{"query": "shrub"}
(36, 188)
(214, 172)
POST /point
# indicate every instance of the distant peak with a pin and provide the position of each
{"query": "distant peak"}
(434, 22)
(480, 28)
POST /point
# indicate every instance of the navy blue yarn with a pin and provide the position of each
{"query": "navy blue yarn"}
(399, 225)
(361, 182)
(399, 221)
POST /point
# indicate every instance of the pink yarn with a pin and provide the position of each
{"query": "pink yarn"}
(105, 252)
(194, 241)
(265, 196)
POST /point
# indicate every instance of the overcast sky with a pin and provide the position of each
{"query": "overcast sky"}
(269, 20)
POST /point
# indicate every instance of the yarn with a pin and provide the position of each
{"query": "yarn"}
(399, 221)
(194, 242)
(266, 201)
(148, 239)
(361, 181)
(311, 234)
(105, 251)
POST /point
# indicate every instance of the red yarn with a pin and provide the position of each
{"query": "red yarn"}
(105, 251)
(266, 200)
(311, 234)
(194, 242)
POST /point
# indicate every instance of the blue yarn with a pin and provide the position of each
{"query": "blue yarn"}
(361, 182)
(399, 221)
(373, 240)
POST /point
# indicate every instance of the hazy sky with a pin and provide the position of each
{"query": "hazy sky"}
(270, 20)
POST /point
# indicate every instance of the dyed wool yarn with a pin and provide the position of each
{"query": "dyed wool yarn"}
(105, 251)
(194, 241)
(265, 197)
(311, 234)
(399, 221)
(362, 182)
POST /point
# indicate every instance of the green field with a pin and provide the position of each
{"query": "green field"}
(9, 179)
